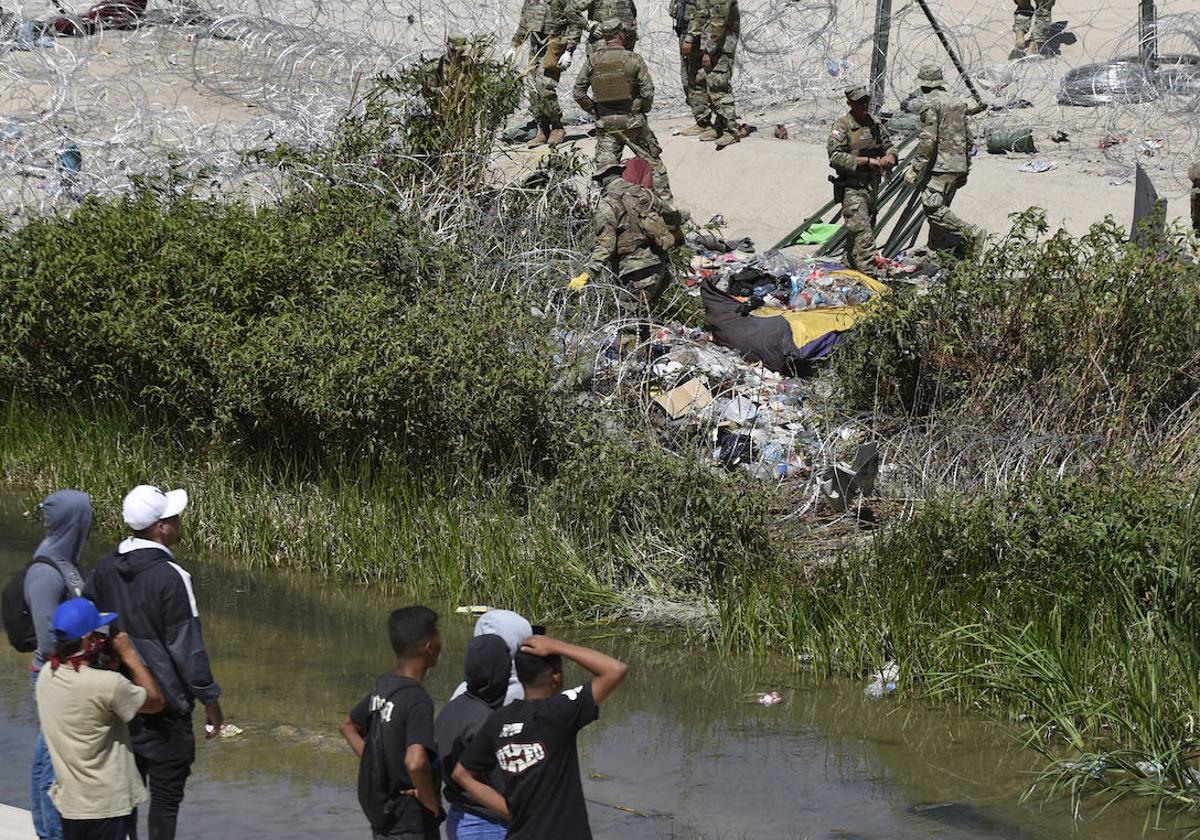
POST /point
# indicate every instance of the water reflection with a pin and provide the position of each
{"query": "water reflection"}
(681, 751)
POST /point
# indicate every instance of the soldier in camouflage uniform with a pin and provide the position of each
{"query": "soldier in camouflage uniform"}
(1031, 26)
(634, 230)
(708, 34)
(593, 13)
(943, 157)
(622, 93)
(1194, 174)
(860, 151)
(553, 30)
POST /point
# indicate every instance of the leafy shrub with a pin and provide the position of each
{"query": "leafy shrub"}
(1061, 335)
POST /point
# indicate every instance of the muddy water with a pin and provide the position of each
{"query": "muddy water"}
(681, 751)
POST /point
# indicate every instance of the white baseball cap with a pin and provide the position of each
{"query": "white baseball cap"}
(146, 504)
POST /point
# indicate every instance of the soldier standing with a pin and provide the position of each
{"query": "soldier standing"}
(622, 93)
(553, 30)
(860, 150)
(1031, 27)
(595, 12)
(943, 157)
(634, 230)
(1194, 175)
(708, 34)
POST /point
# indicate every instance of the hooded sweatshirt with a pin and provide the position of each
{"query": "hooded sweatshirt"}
(67, 517)
(153, 598)
(514, 629)
(486, 666)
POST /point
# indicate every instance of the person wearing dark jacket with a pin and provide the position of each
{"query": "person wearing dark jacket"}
(53, 577)
(486, 666)
(153, 596)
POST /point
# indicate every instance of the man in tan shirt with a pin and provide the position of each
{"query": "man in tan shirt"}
(84, 710)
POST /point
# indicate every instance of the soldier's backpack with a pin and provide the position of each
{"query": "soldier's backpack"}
(646, 223)
(610, 83)
(18, 621)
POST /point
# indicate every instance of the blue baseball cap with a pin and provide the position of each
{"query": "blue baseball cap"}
(77, 617)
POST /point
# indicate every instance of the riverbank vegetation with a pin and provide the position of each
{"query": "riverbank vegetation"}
(377, 377)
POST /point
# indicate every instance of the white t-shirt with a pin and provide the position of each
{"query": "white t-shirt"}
(84, 716)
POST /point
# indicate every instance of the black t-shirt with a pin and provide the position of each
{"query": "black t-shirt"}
(456, 726)
(403, 712)
(532, 742)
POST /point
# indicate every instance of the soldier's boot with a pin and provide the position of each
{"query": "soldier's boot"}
(1034, 50)
(541, 136)
(727, 139)
(709, 134)
(557, 135)
(1018, 49)
(696, 130)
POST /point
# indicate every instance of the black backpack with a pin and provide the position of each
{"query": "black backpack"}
(18, 621)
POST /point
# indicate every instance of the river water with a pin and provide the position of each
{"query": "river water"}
(681, 751)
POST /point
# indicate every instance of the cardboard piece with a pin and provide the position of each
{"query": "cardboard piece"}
(688, 398)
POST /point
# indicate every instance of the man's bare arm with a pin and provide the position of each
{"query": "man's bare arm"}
(353, 736)
(485, 795)
(607, 671)
(416, 762)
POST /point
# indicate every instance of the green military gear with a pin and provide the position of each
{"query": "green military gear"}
(599, 12)
(1032, 21)
(944, 156)
(709, 27)
(551, 26)
(857, 92)
(622, 94)
(857, 187)
(632, 235)
(930, 75)
(611, 27)
(608, 169)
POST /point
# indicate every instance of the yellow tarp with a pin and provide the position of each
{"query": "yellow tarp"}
(810, 324)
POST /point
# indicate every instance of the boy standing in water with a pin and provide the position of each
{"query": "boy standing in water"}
(391, 731)
(532, 743)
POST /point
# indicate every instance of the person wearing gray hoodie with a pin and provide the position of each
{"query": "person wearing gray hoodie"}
(53, 577)
(514, 629)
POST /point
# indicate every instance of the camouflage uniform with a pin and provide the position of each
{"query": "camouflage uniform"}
(712, 27)
(552, 28)
(1194, 175)
(622, 95)
(634, 229)
(595, 12)
(943, 156)
(1031, 25)
(857, 188)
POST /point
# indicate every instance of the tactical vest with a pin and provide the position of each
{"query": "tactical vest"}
(638, 222)
(622, 10)
(611, 85)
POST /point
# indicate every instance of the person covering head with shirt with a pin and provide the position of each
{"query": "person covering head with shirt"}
(513, 628)
(531, 743)
(153, 595)
(486, 667)
(53, 577)
(84, 711)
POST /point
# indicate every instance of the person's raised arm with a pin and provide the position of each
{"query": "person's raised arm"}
(139, 674)
(607, 672)
(484, 794)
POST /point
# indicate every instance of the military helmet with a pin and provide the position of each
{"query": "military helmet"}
(610, 27)
(457, 41)
(930, 75)
(608, 169)
(857, 92)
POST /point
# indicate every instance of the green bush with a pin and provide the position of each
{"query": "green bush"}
(1060, 335)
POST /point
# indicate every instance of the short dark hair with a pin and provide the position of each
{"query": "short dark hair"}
(408, 627)
(66, 648)
(531, 669)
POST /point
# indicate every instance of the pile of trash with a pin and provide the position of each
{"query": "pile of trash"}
(774, 424)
